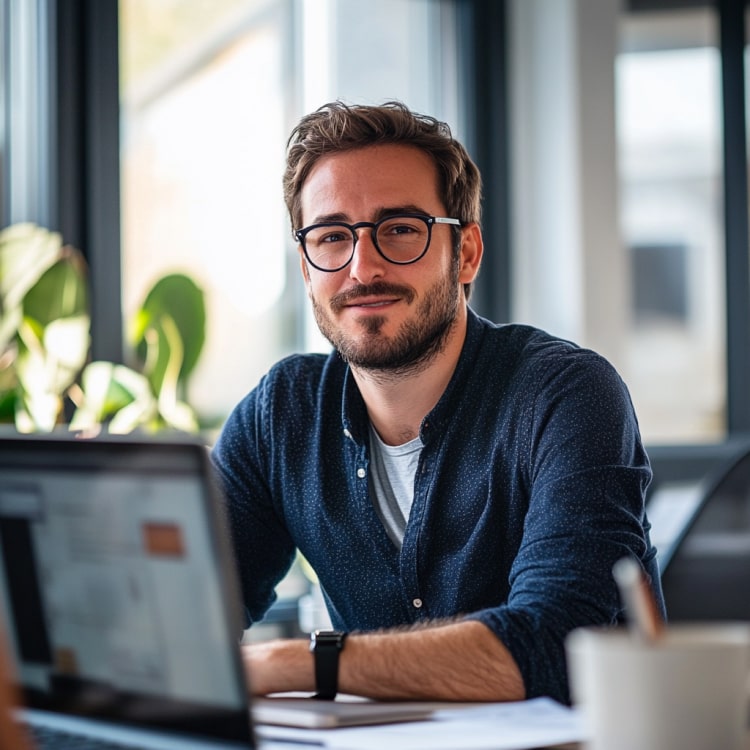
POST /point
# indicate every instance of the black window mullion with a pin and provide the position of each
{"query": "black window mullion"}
(88, 157)
(483, 67)
(732, 44)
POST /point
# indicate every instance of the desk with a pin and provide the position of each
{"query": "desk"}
(490, 726)
(527, 725)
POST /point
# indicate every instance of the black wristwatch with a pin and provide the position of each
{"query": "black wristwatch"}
(326, 645)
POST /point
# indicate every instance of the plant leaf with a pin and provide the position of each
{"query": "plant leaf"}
(26, 252)
(172, 362)
(68, 341)
(178, 297)
(115, 394)
(10, 319)
(60, 292)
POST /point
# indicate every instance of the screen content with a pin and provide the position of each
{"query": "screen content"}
(111, 578)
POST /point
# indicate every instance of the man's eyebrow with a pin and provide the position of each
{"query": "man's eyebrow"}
(380, 213)
(409, 208)
(328, 218)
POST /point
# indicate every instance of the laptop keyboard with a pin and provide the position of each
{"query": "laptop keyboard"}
(45, 738)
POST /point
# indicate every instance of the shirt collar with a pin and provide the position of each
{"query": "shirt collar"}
(354, 419)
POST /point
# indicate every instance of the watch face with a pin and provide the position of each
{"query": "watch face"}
(326, 637)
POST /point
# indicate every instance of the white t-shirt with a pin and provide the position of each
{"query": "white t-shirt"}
(392, 472)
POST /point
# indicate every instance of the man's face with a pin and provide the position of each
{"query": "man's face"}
(379, 315)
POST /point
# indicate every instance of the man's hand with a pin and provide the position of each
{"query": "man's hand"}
(461, 661)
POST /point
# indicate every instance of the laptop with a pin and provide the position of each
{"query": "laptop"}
(119, 594)
(121, 600)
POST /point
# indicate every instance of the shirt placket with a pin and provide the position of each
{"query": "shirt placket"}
(413, 590)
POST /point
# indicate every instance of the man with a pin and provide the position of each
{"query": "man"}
(461, 489)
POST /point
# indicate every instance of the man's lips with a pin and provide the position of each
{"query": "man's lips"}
(381, 302)
(372, 297)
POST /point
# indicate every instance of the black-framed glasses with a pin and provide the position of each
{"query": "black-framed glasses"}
(400, 239)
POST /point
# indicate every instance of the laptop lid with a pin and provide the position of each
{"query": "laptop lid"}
(118, 585)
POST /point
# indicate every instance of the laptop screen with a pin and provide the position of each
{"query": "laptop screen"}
(117, 583)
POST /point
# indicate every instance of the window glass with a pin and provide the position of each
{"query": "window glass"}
(210, 90)
(668, 88)
(203, 113)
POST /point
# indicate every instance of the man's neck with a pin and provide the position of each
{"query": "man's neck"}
(398, 402)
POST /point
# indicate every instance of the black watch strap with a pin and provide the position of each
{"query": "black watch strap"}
(326, 645)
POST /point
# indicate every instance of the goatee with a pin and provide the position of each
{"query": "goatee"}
(414, 345)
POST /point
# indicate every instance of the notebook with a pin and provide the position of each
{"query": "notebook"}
(300, 711)
(121, 599)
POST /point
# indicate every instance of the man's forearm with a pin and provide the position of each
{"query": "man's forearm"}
(461, 661)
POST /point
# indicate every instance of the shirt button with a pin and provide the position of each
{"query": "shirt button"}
(361, 473)
(347, 434)
(417, 603)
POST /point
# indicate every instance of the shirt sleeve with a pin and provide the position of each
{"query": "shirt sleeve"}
(263, 547)
(586, 473)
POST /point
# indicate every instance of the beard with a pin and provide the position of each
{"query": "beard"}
(417, 341)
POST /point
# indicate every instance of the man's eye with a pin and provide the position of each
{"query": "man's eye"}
(400, 228)
(332, 237)
(403, 229)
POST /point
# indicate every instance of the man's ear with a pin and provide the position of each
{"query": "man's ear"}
(472, 248)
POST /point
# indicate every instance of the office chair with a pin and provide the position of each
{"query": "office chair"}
(706, 575)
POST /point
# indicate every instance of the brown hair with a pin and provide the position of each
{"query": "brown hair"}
(337, 127)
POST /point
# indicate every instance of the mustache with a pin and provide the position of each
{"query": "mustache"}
(379, 288)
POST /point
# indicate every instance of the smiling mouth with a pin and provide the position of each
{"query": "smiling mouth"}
(372, 303)
(373, 297)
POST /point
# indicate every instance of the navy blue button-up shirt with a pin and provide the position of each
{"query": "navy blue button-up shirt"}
(529, 487)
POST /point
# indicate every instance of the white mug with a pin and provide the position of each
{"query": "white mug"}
(687, 690)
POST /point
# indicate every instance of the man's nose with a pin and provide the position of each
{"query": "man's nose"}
(367, 263)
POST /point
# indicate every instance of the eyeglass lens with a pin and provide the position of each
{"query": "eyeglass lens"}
(400, 239)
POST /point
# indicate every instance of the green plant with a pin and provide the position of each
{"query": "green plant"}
(45, 320)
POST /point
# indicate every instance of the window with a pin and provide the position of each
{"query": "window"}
(209, 93)
(618, 196)
(630, 281)
(668, 77)
(203, 110)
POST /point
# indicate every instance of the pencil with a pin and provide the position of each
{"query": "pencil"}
(637, 598)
